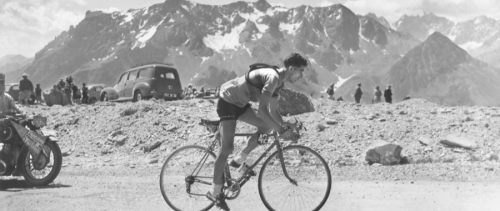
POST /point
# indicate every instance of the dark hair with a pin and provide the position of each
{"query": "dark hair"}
(296, 60)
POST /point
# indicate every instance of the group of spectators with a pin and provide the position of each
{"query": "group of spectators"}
(359, 93)
(74, 94)
(191, 92)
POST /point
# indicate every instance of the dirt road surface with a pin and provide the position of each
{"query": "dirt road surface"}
(125, 188)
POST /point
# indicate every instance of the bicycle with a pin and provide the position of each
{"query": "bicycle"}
(297, 177)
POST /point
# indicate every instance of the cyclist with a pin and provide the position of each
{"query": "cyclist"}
(258, 85)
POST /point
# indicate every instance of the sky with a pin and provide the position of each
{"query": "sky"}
(26, 26)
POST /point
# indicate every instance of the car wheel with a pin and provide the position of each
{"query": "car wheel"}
(104, 97)
(137, 96)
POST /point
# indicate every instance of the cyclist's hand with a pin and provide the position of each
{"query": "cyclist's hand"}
(287, 134)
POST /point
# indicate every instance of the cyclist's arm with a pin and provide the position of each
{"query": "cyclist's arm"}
(265, 114)
(273, 110)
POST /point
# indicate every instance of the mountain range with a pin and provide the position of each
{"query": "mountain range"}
(210, 44)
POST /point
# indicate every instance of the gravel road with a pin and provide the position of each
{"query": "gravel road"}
(124, 188)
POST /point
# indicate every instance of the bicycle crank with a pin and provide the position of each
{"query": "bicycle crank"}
(233, 191)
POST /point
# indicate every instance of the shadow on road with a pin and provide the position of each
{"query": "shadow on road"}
(20, 185)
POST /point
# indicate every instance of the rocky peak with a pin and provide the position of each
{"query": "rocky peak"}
(438, 45)
(262, 5)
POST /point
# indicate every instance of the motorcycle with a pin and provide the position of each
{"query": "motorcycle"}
(28, 149)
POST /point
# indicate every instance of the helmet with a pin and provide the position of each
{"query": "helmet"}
(25, 75)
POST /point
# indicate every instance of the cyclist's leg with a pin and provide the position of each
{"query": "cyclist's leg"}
(250, 117)
(227, 129)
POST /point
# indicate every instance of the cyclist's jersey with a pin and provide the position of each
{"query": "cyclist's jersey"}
(240, 93)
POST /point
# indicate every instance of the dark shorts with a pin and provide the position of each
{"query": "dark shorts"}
(229, 111)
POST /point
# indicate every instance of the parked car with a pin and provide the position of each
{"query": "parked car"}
(94, 92)
(13, 90)
(154, 80)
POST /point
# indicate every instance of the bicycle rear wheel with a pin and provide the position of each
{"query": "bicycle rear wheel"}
(307, 168)
(186, 177)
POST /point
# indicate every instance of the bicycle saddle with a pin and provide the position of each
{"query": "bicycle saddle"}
(210, 121)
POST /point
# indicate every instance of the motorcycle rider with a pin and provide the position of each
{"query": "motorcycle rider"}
(6, 102)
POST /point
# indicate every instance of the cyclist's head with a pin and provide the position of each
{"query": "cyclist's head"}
(295, 64)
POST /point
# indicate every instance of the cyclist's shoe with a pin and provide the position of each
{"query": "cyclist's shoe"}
(220, 201)
(236, 165)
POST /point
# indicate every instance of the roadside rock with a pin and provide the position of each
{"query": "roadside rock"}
(455, 140)
(424, 140)
(117, 138)
(152, 146)
(384, 153)
(294, 103)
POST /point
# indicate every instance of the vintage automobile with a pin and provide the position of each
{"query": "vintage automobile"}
(94, 92)
(153, 80)
(13, 90)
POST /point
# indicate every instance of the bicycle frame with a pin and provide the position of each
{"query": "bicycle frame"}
(244, 177)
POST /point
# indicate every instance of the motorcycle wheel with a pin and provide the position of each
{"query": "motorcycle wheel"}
(41, 175)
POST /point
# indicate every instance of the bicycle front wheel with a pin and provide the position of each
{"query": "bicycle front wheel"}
(310, 172)
(186, 177)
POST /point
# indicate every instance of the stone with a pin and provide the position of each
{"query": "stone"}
(152, 160)
(119, 140)
(384, 153)
(320, 127)
(294, 103)
(491, 156)
(331, 121)
(403, 112)
(424, 140)
(153, 146)
(468, 119)
(434, 112)
(455, 140)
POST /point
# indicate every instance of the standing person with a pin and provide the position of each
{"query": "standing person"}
(358, 94)
(6, 102)
(388, 94)
(38, 93)
(74, 88)
(25, 89)
(330, 91)
(61, 84)
(67, 91)
(85, 95)
(378, 95)
(261, 84)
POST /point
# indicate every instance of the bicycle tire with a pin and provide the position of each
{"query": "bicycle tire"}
(173, 181)
(302, 168)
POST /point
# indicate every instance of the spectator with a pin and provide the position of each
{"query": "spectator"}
(25, 89)
(38, 93)
(358, 94)
(202, 90)
(67, 91)
(388, 94)
(61, 84)
(378, 95)
(85, 96)
(330, 91)
(6, 102)
(76, 96)
(69, 80)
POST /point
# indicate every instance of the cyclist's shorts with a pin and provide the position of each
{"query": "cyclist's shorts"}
(229, 111)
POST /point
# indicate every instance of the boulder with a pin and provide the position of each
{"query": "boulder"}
(455, 140)
(384, 153)
(293, 103)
